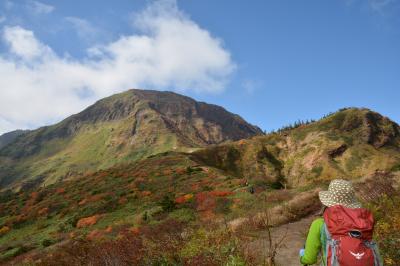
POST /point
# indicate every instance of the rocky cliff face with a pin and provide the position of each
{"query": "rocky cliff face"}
(124, 127)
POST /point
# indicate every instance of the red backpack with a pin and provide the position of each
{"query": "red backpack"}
(349, 237)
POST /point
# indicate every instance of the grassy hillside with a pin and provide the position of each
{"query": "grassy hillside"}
(203, 207)
(9, 137)
(351, 143)
(122, 128)
(146, 200)
(105, 204)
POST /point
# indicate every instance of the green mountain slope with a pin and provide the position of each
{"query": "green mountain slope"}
(9, 137)
(351, 143)
(121, 128)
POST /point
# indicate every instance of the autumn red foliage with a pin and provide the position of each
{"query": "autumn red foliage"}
(92, 198)
(184, 198)
(151, 246)
(60, 190)
(146, 193)
(122, 200)
(88, 221)
(43, 211)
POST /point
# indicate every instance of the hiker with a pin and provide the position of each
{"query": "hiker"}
(344, 234)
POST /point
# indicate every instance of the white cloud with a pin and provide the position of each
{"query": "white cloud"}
(23, 43)
(172, 52)
(251, 85)
(380, 6)
(375, 7)
(84, 29)
(39, 7)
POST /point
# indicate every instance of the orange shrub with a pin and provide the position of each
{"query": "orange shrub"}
(146, 193)
(93, 198)
(34, 195)
(43, 211)
(125, 175)
(135, 230)
(242, 142)
(4, 230)
(195, 186)
(95, 234)
(207, 215)
(167, 172)
(183, 198)
(60, 190)
(83, 202)
(181, 171)
(205, 201)
(19, 219)
(122, 200)
(88, 221)
(102, 175)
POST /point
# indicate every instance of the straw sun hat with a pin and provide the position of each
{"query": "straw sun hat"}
(340, 192)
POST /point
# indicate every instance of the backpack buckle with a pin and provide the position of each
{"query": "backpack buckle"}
(355, 234)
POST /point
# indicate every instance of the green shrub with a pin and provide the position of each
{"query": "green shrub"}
(13, 252)
(6, 196)
(168, 203)
(47, 242)
(145, 216)
(235, 261)
(276, 185)
(207, 188)
(65, 227)
(183, 215)
(396, 167)
(317, 170)
(387, 217)
(223, 205)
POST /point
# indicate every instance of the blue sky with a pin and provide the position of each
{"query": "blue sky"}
(272, 62)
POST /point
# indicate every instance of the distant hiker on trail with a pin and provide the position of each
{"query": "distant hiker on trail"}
(344, 234)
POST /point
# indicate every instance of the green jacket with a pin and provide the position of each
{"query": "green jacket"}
(316, 241)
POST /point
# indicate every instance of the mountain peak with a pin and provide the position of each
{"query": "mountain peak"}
(369, 126)
(123, 127)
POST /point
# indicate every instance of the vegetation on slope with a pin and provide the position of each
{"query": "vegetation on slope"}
(205, 206)
(121, 128)
(105, 204)
(351, 143)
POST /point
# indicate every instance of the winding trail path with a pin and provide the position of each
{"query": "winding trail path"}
(288, 254)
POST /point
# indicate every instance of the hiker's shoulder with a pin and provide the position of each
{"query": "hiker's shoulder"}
(318, 222)
(315, 228)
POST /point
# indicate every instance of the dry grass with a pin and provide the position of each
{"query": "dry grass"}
(299, 206)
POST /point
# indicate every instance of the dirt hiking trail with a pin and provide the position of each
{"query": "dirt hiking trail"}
(288, 254)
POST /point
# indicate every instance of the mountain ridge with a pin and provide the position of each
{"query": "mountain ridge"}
(351, 143)
(125, 126)
(9, 137)
(233, 184)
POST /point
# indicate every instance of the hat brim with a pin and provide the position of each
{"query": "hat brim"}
(327, 200)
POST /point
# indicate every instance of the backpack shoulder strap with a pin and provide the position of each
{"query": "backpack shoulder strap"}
(374, 247)
(331, 245)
